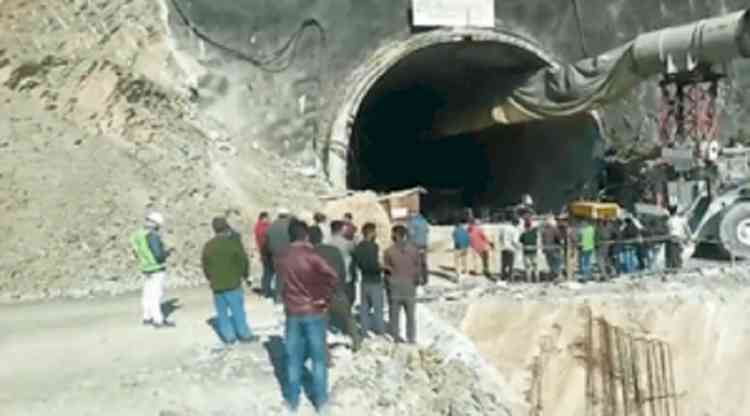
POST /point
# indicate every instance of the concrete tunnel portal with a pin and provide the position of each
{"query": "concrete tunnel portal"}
(397, 136)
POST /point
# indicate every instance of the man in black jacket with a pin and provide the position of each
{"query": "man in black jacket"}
(340, 310)
(277, 239)
(367, 258)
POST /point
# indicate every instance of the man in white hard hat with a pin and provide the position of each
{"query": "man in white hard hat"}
(151, 254)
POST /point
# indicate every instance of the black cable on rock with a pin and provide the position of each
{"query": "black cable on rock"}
(579, 21)
(272, 64)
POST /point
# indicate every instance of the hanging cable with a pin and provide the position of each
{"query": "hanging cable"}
(579, 21)
(275, 63)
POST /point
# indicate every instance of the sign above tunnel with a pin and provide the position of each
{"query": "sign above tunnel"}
(456, 13)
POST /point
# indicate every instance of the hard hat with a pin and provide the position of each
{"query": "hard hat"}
(156, 218)
(307, 216)
(283, 211)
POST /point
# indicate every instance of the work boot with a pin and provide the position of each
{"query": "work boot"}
(356, 344)
(249, 340)
(148, 322)
(325, 410)
(165, 324)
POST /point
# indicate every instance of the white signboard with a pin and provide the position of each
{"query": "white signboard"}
(461, 13)
(397, 213)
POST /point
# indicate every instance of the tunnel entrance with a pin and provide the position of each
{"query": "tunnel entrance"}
(396, 139)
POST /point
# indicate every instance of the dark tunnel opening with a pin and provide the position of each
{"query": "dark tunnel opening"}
(395, 144)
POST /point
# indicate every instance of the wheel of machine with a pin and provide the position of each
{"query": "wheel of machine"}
(734, 230)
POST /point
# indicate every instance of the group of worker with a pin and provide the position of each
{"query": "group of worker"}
(316, 271)
(611, 247)
(320, 271)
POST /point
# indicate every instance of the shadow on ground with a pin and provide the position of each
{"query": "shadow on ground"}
(276, 353)
(445, 272)
(169, 306)
(213, 323)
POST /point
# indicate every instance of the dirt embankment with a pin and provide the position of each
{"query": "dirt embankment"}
(630, 347)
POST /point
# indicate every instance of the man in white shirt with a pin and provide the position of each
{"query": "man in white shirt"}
(679, 234)
(509, 242)
(346, 247)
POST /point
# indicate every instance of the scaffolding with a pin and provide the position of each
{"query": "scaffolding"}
(627, 374)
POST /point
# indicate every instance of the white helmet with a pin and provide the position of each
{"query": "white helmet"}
(155, 218)
(527, 200)
(282, 211)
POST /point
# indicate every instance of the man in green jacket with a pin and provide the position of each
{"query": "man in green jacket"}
(225, 265)
(586, 245)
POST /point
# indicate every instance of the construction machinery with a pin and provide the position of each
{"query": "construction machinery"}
(708, 185)
(714, 197)
(592, 210)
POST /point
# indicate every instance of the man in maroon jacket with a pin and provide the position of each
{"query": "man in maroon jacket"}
(307, 289)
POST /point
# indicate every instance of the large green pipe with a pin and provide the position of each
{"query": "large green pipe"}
(593, 83)
(567, 89)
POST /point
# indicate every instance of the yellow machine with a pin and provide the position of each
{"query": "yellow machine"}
(594, 210)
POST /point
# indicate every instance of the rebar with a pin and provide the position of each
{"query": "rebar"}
(635, 374)
(625, 373)
(589, 362)
(651, 385)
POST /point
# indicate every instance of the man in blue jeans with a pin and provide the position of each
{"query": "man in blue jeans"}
(419, 234)
(586, 246)
(225, 265)
(308, 285)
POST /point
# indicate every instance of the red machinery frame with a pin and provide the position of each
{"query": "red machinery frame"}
(688, 109)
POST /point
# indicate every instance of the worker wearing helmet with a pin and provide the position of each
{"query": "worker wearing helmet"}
(151, 254)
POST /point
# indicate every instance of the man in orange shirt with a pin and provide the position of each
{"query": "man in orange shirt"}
(481, 246)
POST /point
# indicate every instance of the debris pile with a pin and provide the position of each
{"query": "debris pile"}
(364, 207)
(391, 379)
(383, 379)
(96, 127)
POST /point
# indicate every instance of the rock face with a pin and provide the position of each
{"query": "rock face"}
(96, 128)
(108, 109)
(292, 110)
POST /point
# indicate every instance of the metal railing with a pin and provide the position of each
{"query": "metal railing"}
(616, 247)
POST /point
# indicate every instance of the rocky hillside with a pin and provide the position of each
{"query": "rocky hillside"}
(95, 128)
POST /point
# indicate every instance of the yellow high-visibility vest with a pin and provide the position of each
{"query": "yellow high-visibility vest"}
(148, 263)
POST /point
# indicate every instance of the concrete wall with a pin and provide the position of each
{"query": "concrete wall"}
(290, 111)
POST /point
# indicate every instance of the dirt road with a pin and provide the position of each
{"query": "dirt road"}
(94, 356)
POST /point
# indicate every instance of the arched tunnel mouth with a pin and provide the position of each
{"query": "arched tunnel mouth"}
(397, 141)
